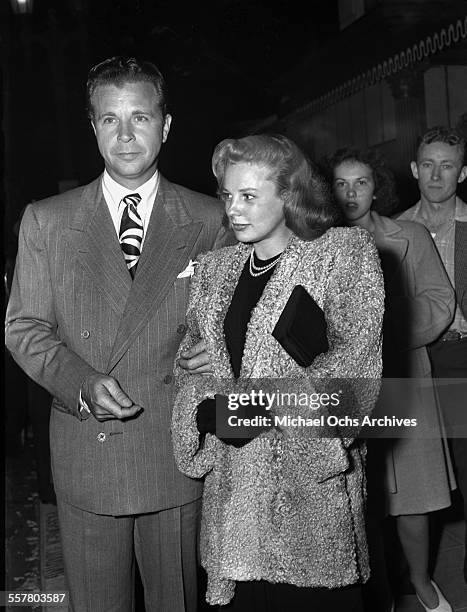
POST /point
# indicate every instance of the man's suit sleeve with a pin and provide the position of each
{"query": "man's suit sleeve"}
(31, 326)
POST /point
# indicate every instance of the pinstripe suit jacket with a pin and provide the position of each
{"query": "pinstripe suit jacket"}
(74, 311)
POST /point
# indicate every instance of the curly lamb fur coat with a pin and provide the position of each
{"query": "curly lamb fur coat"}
(286, 507)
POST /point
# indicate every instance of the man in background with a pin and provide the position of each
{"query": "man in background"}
(439, 169)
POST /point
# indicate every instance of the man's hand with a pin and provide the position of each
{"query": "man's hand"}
(105, 398)
(196, 360)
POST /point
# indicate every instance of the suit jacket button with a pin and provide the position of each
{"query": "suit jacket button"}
(101, 436)
(168, 379)
(181, 329)
(85, 334)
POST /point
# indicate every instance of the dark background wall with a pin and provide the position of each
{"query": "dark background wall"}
(232, 66)
(220, 58)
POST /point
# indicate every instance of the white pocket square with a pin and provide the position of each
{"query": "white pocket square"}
(189, 270)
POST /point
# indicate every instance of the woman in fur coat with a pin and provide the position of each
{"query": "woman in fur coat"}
(296, 307)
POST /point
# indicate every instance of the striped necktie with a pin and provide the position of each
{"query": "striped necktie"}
(131, 232)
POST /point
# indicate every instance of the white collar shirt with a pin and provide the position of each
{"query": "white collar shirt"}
(114, 194)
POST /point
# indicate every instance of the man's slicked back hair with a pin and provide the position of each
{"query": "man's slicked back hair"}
(119, 70)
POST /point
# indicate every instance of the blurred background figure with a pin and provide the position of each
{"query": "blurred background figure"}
(419, 306)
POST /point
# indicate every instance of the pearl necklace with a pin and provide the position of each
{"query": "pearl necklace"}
(259, 270)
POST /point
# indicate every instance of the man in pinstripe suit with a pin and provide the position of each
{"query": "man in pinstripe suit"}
(100, 329)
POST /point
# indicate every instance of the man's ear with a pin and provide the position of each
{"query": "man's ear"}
(93, 126)
(462, 175)
(414, 168)
(166, 128)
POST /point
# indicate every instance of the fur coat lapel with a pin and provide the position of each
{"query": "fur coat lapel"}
(265, 314)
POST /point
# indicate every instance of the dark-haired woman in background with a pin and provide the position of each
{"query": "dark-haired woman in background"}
(419, 306)
(282, 525)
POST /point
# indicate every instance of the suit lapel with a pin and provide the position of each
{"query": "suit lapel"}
(170, 239)
(93, 236)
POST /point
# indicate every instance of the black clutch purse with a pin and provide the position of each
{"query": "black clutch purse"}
(301, 328)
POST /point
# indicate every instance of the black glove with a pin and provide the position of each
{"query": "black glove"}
(206, 416)
(206, 421)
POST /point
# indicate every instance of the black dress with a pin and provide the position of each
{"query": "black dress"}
(246, 295)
